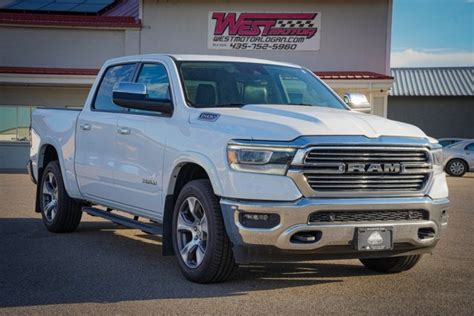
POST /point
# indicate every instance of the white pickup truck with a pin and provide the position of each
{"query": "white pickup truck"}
(237, 160)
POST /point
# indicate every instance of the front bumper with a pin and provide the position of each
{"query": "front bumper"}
(336, 239)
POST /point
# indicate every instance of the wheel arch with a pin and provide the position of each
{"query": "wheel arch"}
(46, 154)
(456, 158)
(182, 173)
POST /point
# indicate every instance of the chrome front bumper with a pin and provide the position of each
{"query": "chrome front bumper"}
(294, 218)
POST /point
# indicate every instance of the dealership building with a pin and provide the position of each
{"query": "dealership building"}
(51, 50)
(439, 100)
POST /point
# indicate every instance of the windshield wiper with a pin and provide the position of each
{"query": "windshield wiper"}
(229, 105)
(302, 104)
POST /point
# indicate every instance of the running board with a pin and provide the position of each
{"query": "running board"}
(149, 228)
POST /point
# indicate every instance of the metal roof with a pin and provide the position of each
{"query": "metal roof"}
(325, 75)
(48, 71)
(352, 75)
(439, 81)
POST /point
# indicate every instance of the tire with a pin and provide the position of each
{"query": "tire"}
(391, 264)
(60, 213)
(456, 167)
(202, 247)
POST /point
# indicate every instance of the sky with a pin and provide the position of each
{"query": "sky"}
(432, 33)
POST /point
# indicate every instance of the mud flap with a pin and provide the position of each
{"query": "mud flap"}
(167, 240)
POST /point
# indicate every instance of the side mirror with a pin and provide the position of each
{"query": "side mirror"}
(134, 96)
(358, 102)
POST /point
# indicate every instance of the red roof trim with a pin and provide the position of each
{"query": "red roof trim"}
(352, 75)
(49, 71)
(336, 75)
(68, 20)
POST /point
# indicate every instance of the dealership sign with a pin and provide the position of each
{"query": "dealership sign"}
(264, 31)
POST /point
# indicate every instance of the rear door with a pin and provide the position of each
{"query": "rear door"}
(96, 137)
(140, 146)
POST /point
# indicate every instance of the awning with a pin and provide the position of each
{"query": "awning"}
(86, 76)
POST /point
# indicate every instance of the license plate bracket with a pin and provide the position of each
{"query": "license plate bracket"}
(374, 238)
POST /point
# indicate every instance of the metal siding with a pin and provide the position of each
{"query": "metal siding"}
(441, 81)
(436, 116)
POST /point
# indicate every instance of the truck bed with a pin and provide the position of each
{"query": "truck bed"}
(56, 126)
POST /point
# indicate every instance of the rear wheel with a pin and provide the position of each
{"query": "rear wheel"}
(391, 264)
(60, 212)
(456, 168)
(200, 242)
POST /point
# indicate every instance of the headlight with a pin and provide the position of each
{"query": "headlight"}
(437, 154)
(257, 159)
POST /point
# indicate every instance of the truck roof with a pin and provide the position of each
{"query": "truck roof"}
(196, 57)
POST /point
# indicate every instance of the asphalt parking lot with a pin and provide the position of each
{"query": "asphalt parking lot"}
(103, 268)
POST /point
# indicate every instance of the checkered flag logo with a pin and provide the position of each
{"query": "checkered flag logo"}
(295, 24)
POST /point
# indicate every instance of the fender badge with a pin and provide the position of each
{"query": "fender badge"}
(152, 181)
(207, 116)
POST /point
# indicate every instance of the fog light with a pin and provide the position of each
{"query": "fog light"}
(259, 220)
(444, 217)
(306, 237)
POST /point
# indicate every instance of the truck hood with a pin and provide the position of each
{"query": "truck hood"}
(287, 122)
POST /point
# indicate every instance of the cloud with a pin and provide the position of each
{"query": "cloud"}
(431, 58)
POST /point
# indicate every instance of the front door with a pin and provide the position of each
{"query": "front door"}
(140, 146)
(96, 138)
(469, 156)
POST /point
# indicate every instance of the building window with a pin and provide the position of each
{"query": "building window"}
(15, 123)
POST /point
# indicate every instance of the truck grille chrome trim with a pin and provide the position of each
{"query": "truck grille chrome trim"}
(350, 170)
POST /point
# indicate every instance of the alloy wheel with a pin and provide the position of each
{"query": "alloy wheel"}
(192, 232)
(50, 196)
(456, 168)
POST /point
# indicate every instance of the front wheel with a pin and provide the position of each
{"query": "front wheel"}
(200, 242)
(391, 264)
(456, 168)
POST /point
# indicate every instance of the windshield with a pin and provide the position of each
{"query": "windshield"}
(231, 84)
(449, 142)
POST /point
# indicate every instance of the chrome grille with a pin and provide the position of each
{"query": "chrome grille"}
(400, 169)
(367, 216)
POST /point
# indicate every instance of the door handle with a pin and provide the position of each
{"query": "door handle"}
(123, 130)
(85, 127)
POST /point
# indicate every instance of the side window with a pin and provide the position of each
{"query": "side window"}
(470, 147)
(114, 74)
(445, 143)
(155, 77)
